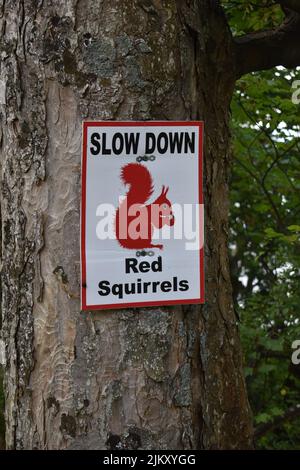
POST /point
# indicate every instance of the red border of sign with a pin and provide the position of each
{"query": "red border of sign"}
(87, 124)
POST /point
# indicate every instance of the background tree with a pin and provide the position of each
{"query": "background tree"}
(265, 232)
(147, 378)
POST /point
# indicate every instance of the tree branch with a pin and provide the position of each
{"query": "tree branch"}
(289, 415)
(293, 5)
(263, 50)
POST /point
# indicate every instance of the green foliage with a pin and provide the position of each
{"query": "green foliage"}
(251, 16)
(265, 232)
(265, 247)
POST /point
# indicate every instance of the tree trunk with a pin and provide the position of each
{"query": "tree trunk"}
(151, 378)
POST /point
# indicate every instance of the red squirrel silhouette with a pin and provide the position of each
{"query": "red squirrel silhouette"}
(135, 221)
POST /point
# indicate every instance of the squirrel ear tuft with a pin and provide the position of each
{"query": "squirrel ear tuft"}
(166, 190)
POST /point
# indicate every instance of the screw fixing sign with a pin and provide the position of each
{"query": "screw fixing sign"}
(141, 214)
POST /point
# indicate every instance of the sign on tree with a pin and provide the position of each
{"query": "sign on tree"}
(142, 214)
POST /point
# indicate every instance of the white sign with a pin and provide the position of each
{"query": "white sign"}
(142, 214)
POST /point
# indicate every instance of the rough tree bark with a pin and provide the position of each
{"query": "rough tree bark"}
(142, 378)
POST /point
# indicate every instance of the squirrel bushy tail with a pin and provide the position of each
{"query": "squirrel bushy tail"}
(140, 181)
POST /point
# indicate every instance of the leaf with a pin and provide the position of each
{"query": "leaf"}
(270, 232)
(267, 368)
(275, 345)
(248, 371)
(263, 418)
(294, 228)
